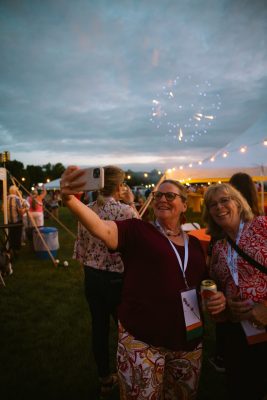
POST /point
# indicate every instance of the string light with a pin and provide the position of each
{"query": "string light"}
(224, 154)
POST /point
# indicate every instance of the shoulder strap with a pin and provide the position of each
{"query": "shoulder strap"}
(246, 257)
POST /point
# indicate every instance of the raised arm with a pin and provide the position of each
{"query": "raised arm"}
(105, 230)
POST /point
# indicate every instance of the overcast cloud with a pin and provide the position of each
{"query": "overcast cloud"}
(78, 79)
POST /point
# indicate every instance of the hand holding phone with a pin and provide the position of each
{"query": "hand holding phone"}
(92, 179)
(75, 180)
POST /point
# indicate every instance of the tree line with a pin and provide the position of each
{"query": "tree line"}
(31, 175)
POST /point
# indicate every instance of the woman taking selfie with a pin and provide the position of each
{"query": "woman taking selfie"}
(160, 341)
(239, 266)
(103, 270)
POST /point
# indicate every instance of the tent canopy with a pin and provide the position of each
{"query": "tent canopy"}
(53, 185)
(247, 153)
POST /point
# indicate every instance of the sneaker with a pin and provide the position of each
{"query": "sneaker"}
(218, 363)
(107, 385)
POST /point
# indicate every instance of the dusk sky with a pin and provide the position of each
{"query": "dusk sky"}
(140, 84)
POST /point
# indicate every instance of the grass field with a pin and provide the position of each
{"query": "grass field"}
(45, 331)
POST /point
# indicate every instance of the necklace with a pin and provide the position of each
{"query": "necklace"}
(167, 232)
(171, 233)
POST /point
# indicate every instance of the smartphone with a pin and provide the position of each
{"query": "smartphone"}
(91, 180)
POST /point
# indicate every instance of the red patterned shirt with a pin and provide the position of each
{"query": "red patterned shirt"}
(91, 251)
(252, 283)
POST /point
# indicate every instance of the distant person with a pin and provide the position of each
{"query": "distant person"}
(139, 199)
(158, 352)
(15, 211)
(36, 209)
(147, 192)
(245, 185)
(25, 219)
(103, 270)
(54, 203)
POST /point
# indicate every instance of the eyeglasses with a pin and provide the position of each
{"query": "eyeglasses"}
(223, 202)
(169, 196)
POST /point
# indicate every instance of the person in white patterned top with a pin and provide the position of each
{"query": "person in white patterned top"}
(103, 270)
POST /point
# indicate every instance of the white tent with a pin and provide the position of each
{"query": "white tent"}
(247, 153)
(53, 185)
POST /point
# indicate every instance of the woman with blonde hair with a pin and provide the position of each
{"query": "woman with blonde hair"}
(239, 267)
(103, 270)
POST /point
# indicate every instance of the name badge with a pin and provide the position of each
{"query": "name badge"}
(254, 334)
(193, 322)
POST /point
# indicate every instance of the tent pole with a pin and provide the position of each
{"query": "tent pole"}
(149, 199)
(51, 215)
(37, 229)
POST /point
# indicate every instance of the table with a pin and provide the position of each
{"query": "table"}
(202, 237)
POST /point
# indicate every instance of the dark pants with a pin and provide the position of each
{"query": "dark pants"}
(220, 334)
(103, 294)
(245, 365)
(15, 232)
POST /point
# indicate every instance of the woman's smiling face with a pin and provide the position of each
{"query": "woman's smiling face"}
(224, 210)
(168, 209)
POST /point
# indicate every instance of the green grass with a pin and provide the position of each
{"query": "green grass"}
(45, 331)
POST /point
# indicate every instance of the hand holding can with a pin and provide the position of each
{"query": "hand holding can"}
(213, 301)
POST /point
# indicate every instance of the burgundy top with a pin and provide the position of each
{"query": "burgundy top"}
(151, 307)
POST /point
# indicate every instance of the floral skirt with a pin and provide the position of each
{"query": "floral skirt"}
(153, 373)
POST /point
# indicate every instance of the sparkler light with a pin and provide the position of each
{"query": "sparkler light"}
(185, 109)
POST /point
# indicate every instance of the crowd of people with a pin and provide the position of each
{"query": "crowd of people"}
(160, 317)
(147, 274)
(24, 213)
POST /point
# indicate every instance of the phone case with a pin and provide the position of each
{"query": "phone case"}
(93, 179)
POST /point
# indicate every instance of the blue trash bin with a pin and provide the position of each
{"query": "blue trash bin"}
(50, 236)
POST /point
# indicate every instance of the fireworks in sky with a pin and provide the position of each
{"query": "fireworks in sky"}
(185, 109)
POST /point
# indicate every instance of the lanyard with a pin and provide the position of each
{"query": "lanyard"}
(232, 255)
(181, 265)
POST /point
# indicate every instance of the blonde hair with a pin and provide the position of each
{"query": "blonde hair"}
(113, 176)
(244, 209)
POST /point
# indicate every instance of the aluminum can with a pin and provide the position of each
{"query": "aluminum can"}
(207, 288)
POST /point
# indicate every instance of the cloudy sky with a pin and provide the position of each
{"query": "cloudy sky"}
(142, 84)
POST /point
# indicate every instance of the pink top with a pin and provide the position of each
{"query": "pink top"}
(252, 282)
(91, 251)
(38, 207)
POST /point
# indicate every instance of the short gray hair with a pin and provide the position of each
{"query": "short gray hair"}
(182, 189)
(13, 189)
